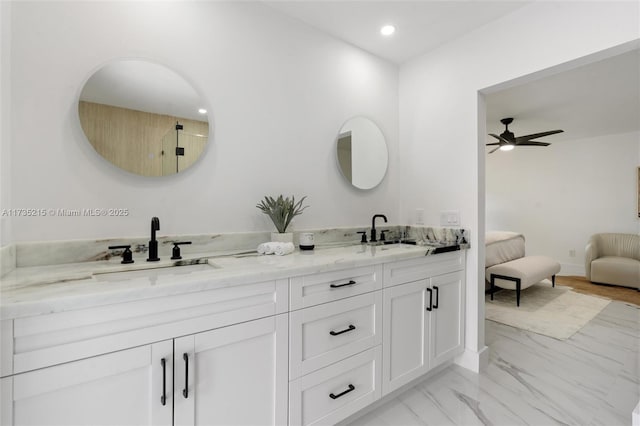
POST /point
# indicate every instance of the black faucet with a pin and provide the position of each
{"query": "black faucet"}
(153, 244)
(373, 238)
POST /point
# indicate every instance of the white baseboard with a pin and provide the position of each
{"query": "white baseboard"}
(572, 269)
(472, 360)
(392, 395)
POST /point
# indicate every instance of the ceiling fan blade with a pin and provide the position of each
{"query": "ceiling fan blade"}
(500, 138)
(536, 135)
(494, 150)
(495, 143)
(533, 143)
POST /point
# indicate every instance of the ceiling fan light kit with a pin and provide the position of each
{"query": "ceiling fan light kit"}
(507, 140)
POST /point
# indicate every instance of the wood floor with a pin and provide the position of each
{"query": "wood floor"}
(582, 285)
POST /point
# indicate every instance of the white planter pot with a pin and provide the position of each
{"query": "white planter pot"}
(286, 237)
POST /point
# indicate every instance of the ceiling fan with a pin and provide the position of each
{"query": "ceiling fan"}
(507, 140)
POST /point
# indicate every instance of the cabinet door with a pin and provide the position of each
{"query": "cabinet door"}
(235, 375)
(405, 331)
(447, 331)
(121, 388)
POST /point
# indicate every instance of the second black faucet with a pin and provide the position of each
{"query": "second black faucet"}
(374, 238)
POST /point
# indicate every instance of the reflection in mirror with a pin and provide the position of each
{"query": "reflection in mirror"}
(362, 153)
(143, 118)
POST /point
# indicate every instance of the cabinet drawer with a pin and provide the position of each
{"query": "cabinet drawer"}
(335, 392)
(409, 270)
(324, 334)
(61, 337)
(310, 290)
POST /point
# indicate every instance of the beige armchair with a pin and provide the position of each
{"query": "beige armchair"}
(613, 259)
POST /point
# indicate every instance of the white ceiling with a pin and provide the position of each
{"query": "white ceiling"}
(598, 99)
(143, 86)
(420, 25)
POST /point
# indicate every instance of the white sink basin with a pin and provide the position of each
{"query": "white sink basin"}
(154, 273)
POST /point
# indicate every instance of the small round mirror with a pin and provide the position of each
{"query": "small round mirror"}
(362, 153)
(143, 118)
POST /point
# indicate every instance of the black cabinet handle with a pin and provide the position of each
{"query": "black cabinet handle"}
(337, 333)
(351, 387)
(435, 306)
(351, 282)
(185, 391)
(163, 398)
(430, 299)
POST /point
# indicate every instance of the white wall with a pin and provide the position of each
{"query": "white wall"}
(277, 90)
(560, 195)
(5, 122)
(442, 121)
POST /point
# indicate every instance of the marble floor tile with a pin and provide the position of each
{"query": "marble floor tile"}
(593, 378)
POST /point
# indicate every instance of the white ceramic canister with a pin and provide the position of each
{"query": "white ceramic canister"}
(306, 241)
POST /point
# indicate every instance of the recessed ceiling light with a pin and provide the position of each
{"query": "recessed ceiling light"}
(202, 111)
(387, 30)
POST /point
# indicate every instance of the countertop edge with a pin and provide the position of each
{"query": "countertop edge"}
(81, 291)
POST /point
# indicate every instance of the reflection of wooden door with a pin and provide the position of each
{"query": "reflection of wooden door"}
(191, 140)
(169, 153)
(193, 145)
(140, 142)
(344, 155)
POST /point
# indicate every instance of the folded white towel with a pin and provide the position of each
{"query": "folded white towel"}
(266, 248)
(277, 248)
(284, 248)
(270, 248)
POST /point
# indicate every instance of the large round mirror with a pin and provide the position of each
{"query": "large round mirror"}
(362, 153)
(143, 118)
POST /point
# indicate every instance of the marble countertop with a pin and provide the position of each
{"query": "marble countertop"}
(36, 290)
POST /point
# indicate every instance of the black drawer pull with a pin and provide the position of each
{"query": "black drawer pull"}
(163, 398)
(435, 305)
(351, 282)
(430, 300)
(337, 333)
(185, 391)
(351, 387)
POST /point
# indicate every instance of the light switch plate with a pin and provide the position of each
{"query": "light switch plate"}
(450, 218)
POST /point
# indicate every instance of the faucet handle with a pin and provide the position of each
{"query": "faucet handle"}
(176, 249)
(382, 236)
(364, 236)
(127, 255)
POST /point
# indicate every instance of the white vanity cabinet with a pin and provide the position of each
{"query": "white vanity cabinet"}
(306, 349)
(210, 378)
(229, 365)
(335, 353)
(423, 317)
(120, 388)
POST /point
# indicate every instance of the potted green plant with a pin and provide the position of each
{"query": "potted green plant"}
(281, 210)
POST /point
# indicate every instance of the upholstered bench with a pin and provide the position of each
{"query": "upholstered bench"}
(521, 273)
